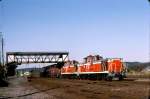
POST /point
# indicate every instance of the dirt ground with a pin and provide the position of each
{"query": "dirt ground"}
(46, 88)
(19, 88)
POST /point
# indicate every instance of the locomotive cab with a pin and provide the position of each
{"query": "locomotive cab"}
(69, 70)
(115, 68)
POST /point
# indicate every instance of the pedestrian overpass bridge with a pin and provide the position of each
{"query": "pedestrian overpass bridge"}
(14, 59)
(36, 57)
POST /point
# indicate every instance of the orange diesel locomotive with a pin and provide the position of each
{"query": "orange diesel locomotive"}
(94, 67)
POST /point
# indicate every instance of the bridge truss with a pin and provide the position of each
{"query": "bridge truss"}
(36, 57)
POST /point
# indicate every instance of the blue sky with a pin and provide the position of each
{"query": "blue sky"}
(111, 28)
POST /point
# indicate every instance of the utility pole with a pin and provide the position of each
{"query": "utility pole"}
(3, 77)
(3, 81)
(2, 64)
(149, 37)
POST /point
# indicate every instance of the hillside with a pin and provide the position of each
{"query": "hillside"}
(137, 66)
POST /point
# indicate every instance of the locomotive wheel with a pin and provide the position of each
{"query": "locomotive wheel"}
(109, 78)
(120, 77)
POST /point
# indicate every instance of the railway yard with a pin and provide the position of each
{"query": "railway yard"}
(46, 88)
(74, 49)
(96, 78)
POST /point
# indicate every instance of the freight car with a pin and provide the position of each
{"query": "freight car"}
(51, 71)
(94, 67)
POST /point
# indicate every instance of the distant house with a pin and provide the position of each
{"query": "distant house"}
(147, 69)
